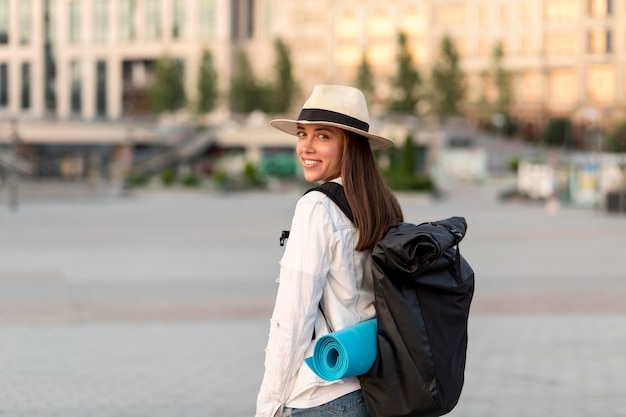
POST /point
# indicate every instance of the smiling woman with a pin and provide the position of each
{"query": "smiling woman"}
(320, 150)
(324, 281)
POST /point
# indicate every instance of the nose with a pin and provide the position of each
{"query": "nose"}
(306, 144)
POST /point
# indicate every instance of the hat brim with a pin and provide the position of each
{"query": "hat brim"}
(291, 127)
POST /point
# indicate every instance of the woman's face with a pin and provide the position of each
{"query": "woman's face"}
(320, 150)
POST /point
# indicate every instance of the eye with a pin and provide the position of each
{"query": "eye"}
(301, 134)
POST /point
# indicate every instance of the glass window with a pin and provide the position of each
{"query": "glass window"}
(25, 17)
(451, 14)
(153, 19)
(599, 41)
(560, 44)
(127, 20)
(75, 21)
(600, 82)
(101, 21)
(179, 20)
(4, 21)
(50, 21)
(207, 19)
(101, 88)
(482, 14)
(412, 22)
(505, 13)
(380, 25)
(347, 26)
(561, 10)
(526, 46)
(600, 8)
(26, 83)
(250, 19)
(563, 86)
(75, 87)
(527, 12)
(4, 85)
(531, 91)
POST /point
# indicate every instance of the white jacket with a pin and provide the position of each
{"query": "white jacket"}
(319, 264)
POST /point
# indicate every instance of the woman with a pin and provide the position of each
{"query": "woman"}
(324, 276)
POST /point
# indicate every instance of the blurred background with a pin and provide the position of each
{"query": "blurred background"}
(120, 94)
(142, 191)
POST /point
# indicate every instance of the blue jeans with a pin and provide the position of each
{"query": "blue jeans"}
(349, 405)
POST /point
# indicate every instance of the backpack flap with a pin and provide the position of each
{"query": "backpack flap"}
(411, 254)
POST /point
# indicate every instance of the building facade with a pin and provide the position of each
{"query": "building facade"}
(82, 62)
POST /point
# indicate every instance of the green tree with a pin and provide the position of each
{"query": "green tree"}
(502, 81)
(167, 92)
(284, 88)
(448, 81)
(405, 84)
(616, 141)
(245, 94)
(207, 84)
(365, 78)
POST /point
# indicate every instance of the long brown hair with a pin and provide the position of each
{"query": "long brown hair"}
(374, 205)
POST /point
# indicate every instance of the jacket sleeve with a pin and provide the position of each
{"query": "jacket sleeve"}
(303, 273)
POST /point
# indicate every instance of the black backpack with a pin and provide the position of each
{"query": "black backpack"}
(423, 290)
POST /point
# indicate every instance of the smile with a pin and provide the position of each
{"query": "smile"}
(310, 162)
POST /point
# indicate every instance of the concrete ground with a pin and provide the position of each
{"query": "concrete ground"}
(157, 303)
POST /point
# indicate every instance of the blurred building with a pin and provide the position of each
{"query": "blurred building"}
(74, 73)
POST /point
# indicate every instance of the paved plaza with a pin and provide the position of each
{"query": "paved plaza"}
(157, 303)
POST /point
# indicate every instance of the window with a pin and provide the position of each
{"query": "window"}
(26, 83)
(600, 41)
(600, 82)
(531, 90)
(207, 19)
(153, 19)
(4, 22)
(50, 93)
(250, 19)
(4, 85)
(412, 22)
(75, 87)
(101, 21)
(527, 12)
(451, 14)
(25, 21)
(561, 10)
(179, 19)
(560, 44)
(101, 88)
(526, 46)
(242, 19)
(505, 13)
(75, 21)
(127, 20)
(600, 8)
(563, 88)
(380, 25)
(483, 16)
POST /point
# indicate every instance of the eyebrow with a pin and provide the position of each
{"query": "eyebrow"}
(317, 129)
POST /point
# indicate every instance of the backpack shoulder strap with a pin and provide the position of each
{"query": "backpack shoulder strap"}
(336, 193)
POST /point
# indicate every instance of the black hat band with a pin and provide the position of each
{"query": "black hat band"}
(321, 115)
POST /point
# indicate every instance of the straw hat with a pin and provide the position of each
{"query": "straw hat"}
(335, 105)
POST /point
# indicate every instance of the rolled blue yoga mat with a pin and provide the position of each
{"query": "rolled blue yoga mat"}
(347, 352)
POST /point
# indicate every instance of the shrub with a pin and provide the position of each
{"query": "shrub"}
(191, 180)
(168, 175)
(252, 175)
